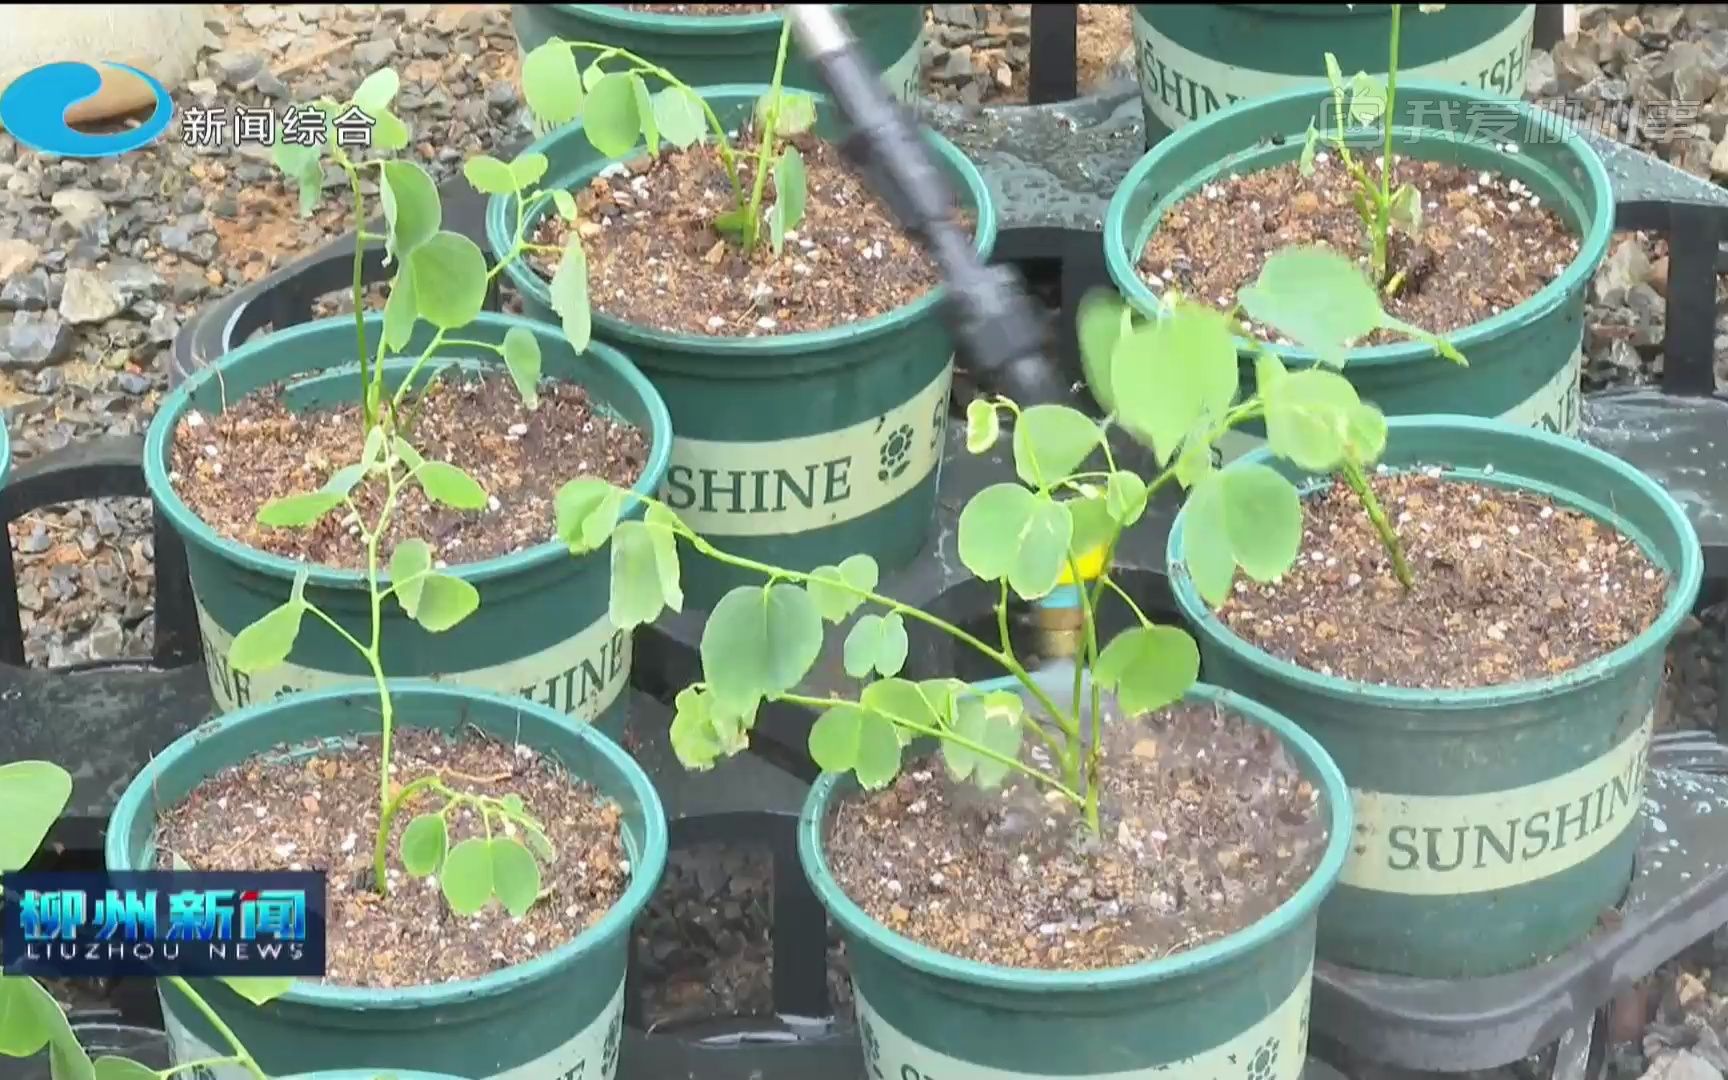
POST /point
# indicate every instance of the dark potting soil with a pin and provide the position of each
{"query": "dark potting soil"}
(1207, 824)
(1509, 587)
(321, 813)
(654, 258)
(228, 466)
(1487, 242)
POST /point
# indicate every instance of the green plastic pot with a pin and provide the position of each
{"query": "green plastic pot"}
(797, 449)
(542, 629)
(709, 50)
(1524, 364)
(1493, 825)
(538, 1019)
(1237, 1006)
(1195, 59)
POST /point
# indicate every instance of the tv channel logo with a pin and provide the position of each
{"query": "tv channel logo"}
(156, 923)
(33, 109)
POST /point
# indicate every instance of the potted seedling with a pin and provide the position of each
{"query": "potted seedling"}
(491, 401)
(1097, 872)
(484, 858)
(1195, 60)
(1477, 218)
(716, 235)
(719, 44)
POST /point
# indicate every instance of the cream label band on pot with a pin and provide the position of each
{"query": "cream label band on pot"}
(591, 1055)
(798, 485)
(1276, 1048)
(1452, 845)
(580, 676)
(1180, 86)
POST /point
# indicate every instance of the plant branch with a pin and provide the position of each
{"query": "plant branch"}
(725, 147)
(241, 1055)
(765, 146)
(1358, 481)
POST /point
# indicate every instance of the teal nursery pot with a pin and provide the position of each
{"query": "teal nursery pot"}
(1494, 825)
(553, 1016)
(708, 50)
(794, 449)
(1524, 363)
(1195, 59)
(1234, 1007)
(541, 630)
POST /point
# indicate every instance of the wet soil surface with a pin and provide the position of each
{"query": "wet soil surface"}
(654, 258)
(321, 813)
(227, 467)
(1509, 588)
(1207, 826)
(1487, 243)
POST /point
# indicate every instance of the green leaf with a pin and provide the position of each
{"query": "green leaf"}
(797, 113)
(566, 204)
(847, 738)
(1308, 421)
(591, 76)
(377, 90)
(1365, 436)
(1317, 297)
(679, 115)
(1149, 667)
(570, 295)
(400, 309)
(1170, 374)
(1406, 210)
(1007, 531)
(424, 844)
(1051, 442)
(832, 600)
(1100, 322)
(983, 425)
(1367, 99)
(409, 564)
(522, 358)
(32, 794)
(538, 844)
(268, 641)
(297, 511)
(388, 132)
(118, 1068)
(406, 452)
(587, 511)
(665, 527)
(449, 280)
(876, 642)
(703, 730)
(640, 555)
(733, 223)
(610, 118)
(444, 601)
(412, 210)
(1334, 74)
(29, 1016)
(993, 721)
(259, 989)
(758, 642)
(789, 194)
(445, 483)
(905, 702)
(527, 169)
(1125, 497)
(489, 176)
(467, 877)
(645, 114)
(551, 85)
(1263, 514)
(1206, 540)
(1093, 525)
(1311, 143)
(515, 875)
(1268, 371)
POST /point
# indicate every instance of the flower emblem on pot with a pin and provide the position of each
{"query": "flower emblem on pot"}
(609, 1055)
(1264, 1058)
(894, 453)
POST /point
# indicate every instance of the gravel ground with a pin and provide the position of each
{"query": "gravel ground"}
(100, 263)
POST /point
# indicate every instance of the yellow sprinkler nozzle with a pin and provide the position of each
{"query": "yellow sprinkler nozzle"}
(1091, 565)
